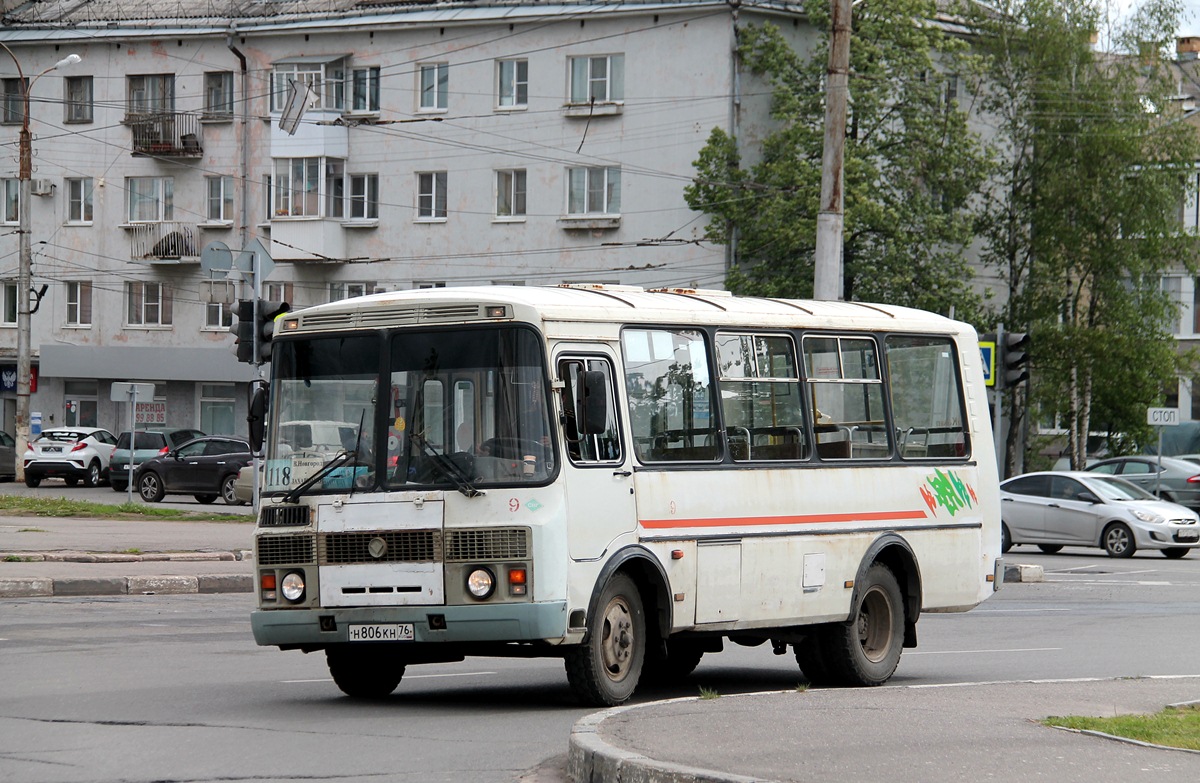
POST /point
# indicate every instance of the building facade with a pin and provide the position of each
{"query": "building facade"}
(364, 146)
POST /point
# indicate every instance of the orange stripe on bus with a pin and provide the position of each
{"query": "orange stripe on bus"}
(793, 519)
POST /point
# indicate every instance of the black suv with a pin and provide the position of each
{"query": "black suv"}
(205, 467)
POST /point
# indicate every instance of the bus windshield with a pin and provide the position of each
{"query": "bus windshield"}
(417, 409)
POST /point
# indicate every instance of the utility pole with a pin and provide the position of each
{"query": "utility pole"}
(827, 260)
(25, 257)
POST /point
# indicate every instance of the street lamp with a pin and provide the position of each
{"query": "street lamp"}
(25, 270)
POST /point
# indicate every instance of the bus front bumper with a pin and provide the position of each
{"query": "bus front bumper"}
(315, 628)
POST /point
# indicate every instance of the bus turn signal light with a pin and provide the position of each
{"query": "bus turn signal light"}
(516, 581)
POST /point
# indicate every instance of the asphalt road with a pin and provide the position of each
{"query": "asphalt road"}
(173, 687)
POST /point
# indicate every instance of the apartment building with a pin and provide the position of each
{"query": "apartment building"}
(427, 144)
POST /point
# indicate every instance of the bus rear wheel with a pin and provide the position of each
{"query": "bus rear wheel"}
(604, 670)
(866, 649)
(367, 672)
(812, 658)
(671, 661)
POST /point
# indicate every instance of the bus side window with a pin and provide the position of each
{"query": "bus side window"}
(761, 399)
(847, 396)
(582, 446)
(927, 398)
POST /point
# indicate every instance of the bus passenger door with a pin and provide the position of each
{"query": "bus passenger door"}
(596, 473)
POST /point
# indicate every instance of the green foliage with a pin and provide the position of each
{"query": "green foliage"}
(1175, 727)
(912, 165)
(64, 507)
(1081, 221)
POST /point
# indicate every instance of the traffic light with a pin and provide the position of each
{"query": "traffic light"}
(1014, 357)
(243, 329)
(268, 312)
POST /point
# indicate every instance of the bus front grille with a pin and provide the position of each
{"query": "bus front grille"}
(285, 550)
(505, 543)
(379, 546)
(284, 516)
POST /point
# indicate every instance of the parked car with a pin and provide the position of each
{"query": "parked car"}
(73, 454)
(243, 487)
(1178, 481)
(1085, 508)
(149, 443)
(205, 467)
(8, 457)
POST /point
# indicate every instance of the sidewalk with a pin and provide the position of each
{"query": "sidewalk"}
(42, 556)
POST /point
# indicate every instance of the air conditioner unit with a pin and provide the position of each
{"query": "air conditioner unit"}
(41, 187)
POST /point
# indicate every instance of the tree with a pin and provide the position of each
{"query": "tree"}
(912, 165)
(1082, 219)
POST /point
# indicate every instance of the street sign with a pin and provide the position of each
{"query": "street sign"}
(988, 351)
(1162, 417)
(121, 392)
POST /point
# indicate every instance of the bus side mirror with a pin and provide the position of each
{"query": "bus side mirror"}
(257, 417)
(595, 403)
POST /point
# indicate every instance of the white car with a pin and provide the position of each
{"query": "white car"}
(73, 454)
(1084, 508)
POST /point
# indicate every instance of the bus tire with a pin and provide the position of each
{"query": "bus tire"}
(866, 649)
(671, 661)
(811, 657)
(604, 670)
(363, 673)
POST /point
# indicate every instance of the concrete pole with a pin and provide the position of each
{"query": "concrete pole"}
(827, 260)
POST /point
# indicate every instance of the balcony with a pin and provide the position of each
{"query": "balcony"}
(167, 242)
(165, 134)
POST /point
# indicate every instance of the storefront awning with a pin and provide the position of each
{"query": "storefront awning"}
(212, 365)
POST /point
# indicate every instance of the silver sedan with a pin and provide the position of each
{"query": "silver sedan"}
(1057, 509)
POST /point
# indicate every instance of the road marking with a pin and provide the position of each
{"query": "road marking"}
(1055, 681)
(964, 652)
(1019, 611)
(1140, 582)
(1114, 573)
(406, 678)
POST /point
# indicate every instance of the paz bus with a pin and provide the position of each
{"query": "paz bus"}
(626, 479)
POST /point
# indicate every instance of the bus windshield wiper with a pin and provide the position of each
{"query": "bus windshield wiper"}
(460, 479)
(339, 459)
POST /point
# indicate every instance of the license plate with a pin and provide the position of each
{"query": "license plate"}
(52, 449)
(1188, 536)
(380, 632)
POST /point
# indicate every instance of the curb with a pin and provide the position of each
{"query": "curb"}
(42, 587)
(592, 760)
(1024, 573)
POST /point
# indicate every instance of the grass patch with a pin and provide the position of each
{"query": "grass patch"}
(708, 693)
(1176, 727)
(133, 550)
(801, 687)
(17, 559)
(63, 507)
(31, 530)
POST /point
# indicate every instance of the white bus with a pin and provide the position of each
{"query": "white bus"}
(622, 478)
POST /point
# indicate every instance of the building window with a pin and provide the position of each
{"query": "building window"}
(339, 291)
(8, 292)
(149, 304)
(220, 199)
(279, 292)
(79, 200)
(430, 284)
(216, 409)
(513, 88)
(151, 199)
(152, 93)
(218, 314)
(598, 79)
(77, 99)
(594, 191)
(510, 193)
(79, 303)
(14, 101)
(364, 196)
(298, 187)
(435, 86)
(431, 195)
(335, 188)
(327, 81)
(12, 200)
(218, 94)
(364, 90)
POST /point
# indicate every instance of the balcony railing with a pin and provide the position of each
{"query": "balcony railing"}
(166, 241)
(169, 134)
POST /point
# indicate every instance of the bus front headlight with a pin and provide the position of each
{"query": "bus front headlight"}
(292, 586)
(481, 583)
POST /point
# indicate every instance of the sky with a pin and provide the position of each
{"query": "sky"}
(1191, 21)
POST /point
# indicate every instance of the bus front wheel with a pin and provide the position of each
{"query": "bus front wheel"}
(866, 649)
(366, 672)
(604, 670)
